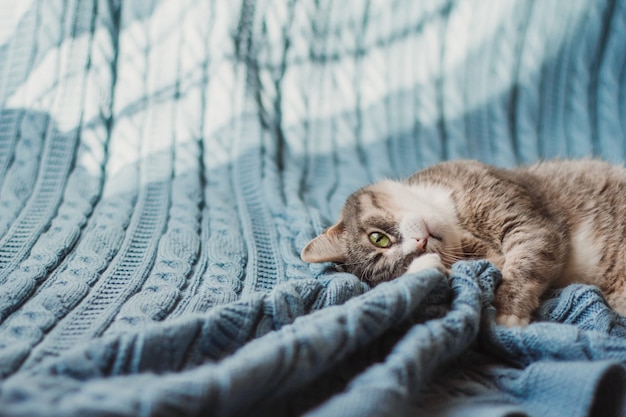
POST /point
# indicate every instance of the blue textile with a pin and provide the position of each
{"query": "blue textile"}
(163, 163)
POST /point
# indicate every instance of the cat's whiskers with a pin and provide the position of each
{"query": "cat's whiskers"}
(366, 261)
(459, 253)
(450, 254)
(368, 276)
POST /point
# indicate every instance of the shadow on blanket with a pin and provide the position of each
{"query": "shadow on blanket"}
(418, 344)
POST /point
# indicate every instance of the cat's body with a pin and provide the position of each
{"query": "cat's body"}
(546, 225)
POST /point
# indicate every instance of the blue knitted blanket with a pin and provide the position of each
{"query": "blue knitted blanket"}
(162, 164)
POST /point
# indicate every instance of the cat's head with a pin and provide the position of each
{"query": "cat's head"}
(384, 226)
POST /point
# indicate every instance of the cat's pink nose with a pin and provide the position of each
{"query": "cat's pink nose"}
(421, 243)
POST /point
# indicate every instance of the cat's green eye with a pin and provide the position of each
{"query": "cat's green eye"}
(379, 239)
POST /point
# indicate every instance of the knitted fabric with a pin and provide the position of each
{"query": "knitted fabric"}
(163, 163)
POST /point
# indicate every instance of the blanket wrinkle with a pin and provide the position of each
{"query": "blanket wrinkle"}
(162, 165)
(337, 336)
(385, 389)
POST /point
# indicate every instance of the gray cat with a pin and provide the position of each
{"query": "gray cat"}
(545, 225)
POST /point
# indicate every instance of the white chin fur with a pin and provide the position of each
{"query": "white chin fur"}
(511, 321)
(427, 261)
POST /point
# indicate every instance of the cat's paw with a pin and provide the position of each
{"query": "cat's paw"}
(510, 320)
(427, 261)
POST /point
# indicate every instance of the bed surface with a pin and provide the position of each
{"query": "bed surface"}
(163, 163)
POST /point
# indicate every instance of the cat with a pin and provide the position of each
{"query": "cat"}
(544, 226)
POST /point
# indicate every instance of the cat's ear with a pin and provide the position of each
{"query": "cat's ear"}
(327, 247)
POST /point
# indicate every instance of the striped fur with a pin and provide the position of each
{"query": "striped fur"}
(545, 225)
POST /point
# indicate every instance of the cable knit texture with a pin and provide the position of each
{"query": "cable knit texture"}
(162, 164)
